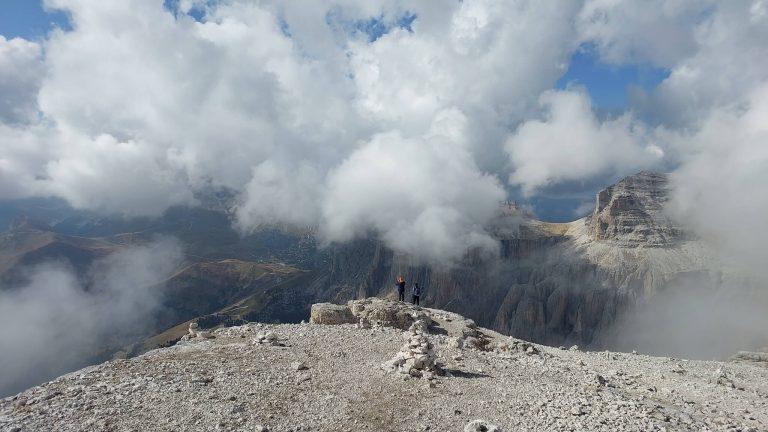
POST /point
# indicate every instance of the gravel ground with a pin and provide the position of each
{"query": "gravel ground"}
(330, 378)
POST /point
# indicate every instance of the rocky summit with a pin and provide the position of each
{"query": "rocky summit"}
(378, 365)
(631, 212)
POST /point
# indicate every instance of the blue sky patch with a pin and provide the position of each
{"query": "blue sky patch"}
(608, 85)
(27, 19)
(377, 27)
(196, 13)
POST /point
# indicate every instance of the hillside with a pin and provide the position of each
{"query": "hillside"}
(27, 244)
(315, 377)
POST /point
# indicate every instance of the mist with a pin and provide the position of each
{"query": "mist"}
(696, 317)
(60, 321)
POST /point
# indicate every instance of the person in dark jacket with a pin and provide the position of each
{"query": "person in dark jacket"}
(400, 288)
(416, 294)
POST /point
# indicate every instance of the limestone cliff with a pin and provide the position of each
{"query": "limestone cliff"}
(631, 213)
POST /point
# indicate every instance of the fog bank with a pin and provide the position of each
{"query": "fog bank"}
(60, 321)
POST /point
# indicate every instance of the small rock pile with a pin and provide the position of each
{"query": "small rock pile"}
(417, 357)
(266, 338)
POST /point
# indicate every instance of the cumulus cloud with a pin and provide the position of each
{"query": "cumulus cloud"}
(420, 194)
(128, 177)
(144, 106)
(658, 32)
(714, 51)
(280, 193)
(58, 321)
(25, 154)
(140, 106)
(21, 70)
(571, 144)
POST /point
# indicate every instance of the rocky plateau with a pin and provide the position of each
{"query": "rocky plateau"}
(356, 367)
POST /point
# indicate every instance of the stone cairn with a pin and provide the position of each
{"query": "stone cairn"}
(417, 357)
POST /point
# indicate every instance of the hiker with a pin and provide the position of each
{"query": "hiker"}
(416, 294)
(400, 288)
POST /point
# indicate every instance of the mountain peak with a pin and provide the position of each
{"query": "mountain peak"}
(631, 212)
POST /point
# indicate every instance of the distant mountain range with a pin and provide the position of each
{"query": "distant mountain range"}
(553, 283)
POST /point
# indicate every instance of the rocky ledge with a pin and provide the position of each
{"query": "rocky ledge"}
(443, 373)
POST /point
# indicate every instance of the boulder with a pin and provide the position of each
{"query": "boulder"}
(387, 313)
(331, 314)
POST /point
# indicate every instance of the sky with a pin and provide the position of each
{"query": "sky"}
(608, 85)
(409, 120)
(29, 19)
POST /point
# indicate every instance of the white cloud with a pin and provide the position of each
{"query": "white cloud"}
(720, 188)
(483, 59)
(660, 32)
(422, 195)
(21, 69)
(131, 177)
(715, 51)
(25, 153)
(731, 60)
(571, 144)
(145, 107)
(281, 194)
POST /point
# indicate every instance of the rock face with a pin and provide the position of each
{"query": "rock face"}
(328, 378)
(630, 213)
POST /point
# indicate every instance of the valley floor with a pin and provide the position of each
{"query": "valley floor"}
(232, 382)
